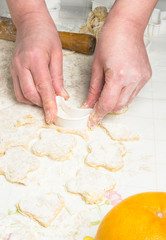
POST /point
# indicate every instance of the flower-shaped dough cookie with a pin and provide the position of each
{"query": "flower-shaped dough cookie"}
(104, 154)
(55, 145)
(17, 163)
(43, 208)
(91, 184)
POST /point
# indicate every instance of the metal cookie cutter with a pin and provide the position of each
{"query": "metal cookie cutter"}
(71, 117)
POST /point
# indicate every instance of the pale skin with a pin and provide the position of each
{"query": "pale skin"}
(120, 69)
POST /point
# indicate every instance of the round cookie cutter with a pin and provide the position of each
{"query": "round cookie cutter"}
(71, 117)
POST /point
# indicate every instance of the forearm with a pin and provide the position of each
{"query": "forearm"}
(137, 12)
(22, 9)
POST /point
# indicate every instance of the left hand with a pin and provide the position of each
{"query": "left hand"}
(120, 69)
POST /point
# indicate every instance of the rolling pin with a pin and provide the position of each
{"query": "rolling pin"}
(82, 43)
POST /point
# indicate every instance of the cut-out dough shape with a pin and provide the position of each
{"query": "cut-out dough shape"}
(105, 154)
(17, 163)
(55, 145)
(43, 208)
(119, 132)
(91, 184)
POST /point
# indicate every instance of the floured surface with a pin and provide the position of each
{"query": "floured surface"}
(142, 162)
(16, 129)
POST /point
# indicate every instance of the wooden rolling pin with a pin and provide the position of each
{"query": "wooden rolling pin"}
(83, 43)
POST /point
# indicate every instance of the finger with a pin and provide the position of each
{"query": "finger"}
(56, 71)
(107, 101)
(28, 87)
(136, 91)
(96, 86)
(125, 96)
(17, 89)
(42, 79)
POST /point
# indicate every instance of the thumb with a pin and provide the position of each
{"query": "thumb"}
(107, 101)
(96, 85)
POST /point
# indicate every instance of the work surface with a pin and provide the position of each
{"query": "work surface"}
(143, 163)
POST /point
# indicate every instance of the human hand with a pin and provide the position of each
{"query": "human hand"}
(120, 69)
(36, 66)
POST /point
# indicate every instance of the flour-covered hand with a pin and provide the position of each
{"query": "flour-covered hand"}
(37, 64)
(120, 69)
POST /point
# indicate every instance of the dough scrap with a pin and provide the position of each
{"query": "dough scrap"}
(104, 154)
(43, 208)
(57, 146)
(17, 163)
(95, 21)
(25, 120)
(91, 184)
(119, 132)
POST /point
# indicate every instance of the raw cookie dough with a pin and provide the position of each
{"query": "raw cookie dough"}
(79, 132)
(95, 21)
(17, 163)
(104, 154)
(43, 208)
(25, 120)
(119, 132)
(57, 146)
(91, 184)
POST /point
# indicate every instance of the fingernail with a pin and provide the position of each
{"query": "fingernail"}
(84, 105)
(38, 104)
(65, 94)
(48, 117)
(93, 120)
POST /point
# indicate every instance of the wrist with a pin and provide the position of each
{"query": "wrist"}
(125, 23)
(133, 15)
(122, 25)
(23, 11)
(33, 19)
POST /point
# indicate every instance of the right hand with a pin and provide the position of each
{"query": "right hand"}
(36, 66)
